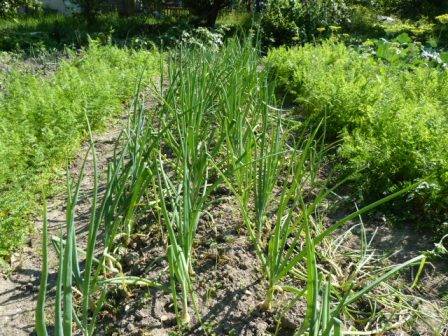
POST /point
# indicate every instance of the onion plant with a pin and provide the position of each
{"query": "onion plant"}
(186, 107)
(41, 328)
(217, 121)
(329, 301)
(294, 218)
(325, 304)
(236, 114)
(252, 135)
(128, 176)
(269, 175)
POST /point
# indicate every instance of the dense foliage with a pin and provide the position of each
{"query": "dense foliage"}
(215, 174)
(392, 119)
(413, 8)
(11, 7)
(42, 122)
(216, 127)
(290, 22)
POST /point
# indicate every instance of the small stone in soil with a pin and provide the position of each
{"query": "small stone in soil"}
(164, 318)
(141, 314)
(131, 328)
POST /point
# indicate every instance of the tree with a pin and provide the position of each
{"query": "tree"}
(10, 7)
(206, 10)
(89, 8)
(127, 7)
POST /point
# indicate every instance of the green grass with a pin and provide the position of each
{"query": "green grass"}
(43, 123)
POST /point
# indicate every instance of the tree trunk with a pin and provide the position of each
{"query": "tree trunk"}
(249, 6)
(89, 11)
(127, 8)
(213, 13)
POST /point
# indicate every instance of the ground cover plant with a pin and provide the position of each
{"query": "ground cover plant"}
(43, 122)
(392, 120)
(219, 137)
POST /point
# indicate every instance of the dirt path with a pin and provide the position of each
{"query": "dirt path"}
(18, 290)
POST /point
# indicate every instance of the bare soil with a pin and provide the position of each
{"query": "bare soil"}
(229, 284)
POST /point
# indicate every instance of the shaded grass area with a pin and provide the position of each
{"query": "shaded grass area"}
(55, 31)
(43, 122)
(35, 34)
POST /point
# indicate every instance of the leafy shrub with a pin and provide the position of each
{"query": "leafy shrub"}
(42, 122)
(392, 120)
(289, 21)
(402, 51)
(11, 7)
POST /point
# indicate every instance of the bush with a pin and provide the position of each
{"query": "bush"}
(290, 22)
(392, 120)
(11, 7)
(42, 123)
